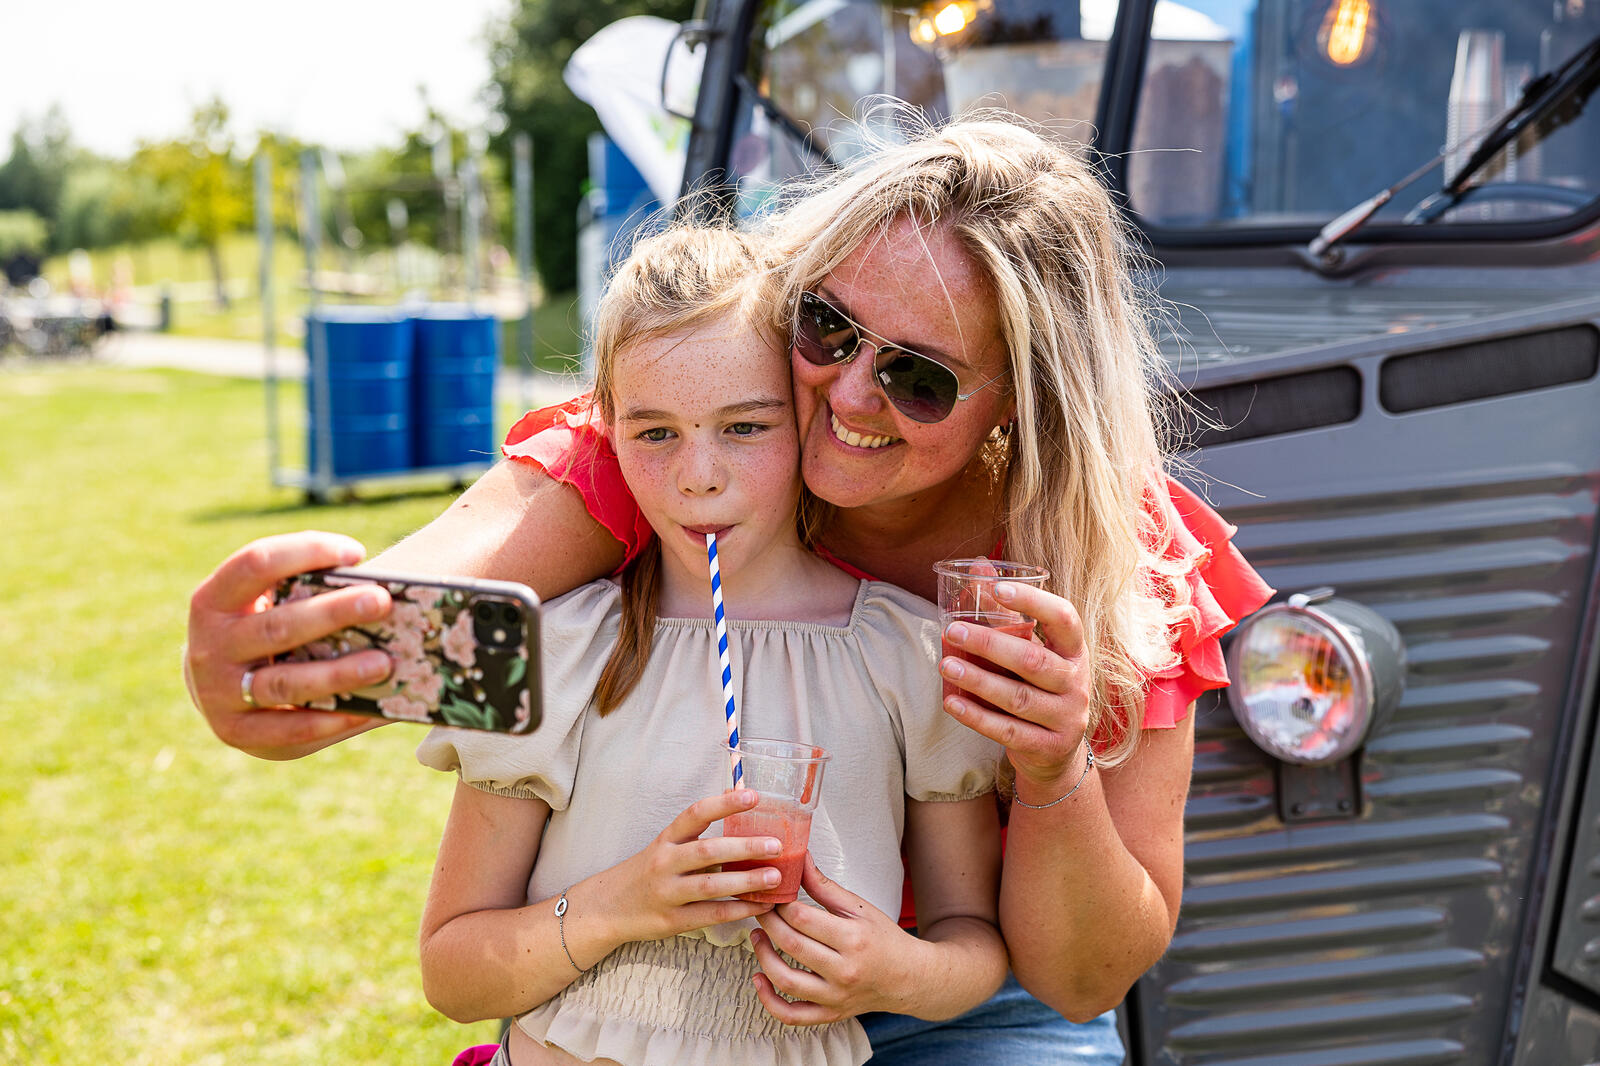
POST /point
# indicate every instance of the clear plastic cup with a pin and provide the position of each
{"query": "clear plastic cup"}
(787, 778)
(966, 594)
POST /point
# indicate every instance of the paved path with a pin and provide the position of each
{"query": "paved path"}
(248, 359)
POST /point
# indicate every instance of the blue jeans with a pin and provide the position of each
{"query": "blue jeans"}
(1011, 1029)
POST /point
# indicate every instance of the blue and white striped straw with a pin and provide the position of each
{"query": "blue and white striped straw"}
(729, 709)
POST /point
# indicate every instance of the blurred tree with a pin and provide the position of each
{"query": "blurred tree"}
(32, 177)
(207, 189)
(103, 204)
(527, 55)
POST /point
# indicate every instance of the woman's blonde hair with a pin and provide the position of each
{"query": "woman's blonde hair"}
(675, 280)
(1083, 474)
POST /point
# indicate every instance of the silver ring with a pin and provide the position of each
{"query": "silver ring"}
(245, 684)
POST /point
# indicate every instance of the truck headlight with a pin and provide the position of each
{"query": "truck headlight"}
(1314, 677)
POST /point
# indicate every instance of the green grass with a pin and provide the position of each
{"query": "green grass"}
(168, 899)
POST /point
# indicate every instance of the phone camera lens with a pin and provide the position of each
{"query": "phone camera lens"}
(497, 625)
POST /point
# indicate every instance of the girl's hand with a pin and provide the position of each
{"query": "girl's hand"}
(1043, 712)
(676, 883)
(859, 959)
(234, 626)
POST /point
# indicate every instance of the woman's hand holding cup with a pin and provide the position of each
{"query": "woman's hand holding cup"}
(1029, 693)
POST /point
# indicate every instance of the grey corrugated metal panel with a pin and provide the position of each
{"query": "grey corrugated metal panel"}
(1467, 699)
(1455, 787)
(1290, 847)
(1324, 976)
(1375, 580)
(1388, 1053)
(1253, 322)
(1344, 931)
(1272, 339)
(1220, 764)
(1448, 743)
(1232, 811)
(1412, 526)
(1334, 1022)
(1375, 491)
(1371, 883)
(1420, 618)
(1503, 651)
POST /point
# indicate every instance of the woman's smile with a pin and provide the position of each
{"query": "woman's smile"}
(854, 439)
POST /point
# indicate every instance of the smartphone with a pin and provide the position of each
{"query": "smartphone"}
(465, 651)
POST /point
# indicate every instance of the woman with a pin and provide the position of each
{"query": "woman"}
(973, 375)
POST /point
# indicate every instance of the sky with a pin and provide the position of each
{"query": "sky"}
(338, 72)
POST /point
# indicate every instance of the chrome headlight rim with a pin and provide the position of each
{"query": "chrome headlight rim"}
(1318, 608)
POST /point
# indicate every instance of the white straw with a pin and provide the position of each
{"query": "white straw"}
(729, 709)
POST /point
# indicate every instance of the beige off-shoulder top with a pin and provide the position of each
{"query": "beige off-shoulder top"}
(867, 691)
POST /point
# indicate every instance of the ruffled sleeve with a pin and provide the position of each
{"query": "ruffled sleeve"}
(569, 443)
(576, 634)
(944, 760)
(1223, 588)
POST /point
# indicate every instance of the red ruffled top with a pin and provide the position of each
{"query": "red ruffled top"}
(569, 443)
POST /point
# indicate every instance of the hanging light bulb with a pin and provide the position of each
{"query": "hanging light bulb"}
(1346, 36)
(936, 22)
(951, 19)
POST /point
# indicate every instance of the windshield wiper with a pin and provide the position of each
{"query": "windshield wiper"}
(1547, 103)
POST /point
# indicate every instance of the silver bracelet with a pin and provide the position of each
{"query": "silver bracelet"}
(1087, 766)
(561, 927)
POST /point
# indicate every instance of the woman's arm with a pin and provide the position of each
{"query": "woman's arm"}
(1090, 888)
(1090, 891)
(488, 953)
(859, 960)
(515, 523)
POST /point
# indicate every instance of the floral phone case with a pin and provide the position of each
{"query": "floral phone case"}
(465, 651)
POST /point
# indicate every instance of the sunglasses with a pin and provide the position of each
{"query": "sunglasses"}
(921, 388)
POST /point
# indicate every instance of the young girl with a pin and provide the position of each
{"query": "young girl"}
(577, 887)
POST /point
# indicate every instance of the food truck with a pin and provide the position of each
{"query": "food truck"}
(1374, 228)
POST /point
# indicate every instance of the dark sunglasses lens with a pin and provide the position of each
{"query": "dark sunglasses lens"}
(821, 334)
(922, 389)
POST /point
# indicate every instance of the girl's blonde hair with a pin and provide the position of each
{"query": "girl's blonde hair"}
(1083, 474)
(676, 280)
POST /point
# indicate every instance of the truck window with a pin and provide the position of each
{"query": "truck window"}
(1287, 112)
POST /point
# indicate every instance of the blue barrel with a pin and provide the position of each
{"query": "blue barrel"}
(369, 354)
(457, 353)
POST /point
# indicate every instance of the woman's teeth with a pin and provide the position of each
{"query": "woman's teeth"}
(854, 439)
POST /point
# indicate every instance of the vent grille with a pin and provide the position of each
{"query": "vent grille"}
(1392, 937)
(1489, 368)
(1270, 406)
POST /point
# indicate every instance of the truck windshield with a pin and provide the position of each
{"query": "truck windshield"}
(1251, 114)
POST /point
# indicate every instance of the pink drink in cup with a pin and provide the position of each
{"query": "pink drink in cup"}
(787, 778)
(966, 594)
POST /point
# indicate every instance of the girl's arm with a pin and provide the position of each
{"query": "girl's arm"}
(504, 526)
(1090, 890)
(488, 953)
(860, 960)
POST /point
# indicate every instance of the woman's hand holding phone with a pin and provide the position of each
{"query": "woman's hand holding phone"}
(234, 627)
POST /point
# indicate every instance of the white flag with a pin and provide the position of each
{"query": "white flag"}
(618, 73)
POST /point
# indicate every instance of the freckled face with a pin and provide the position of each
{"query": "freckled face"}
(705, 435)
(923, 292)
